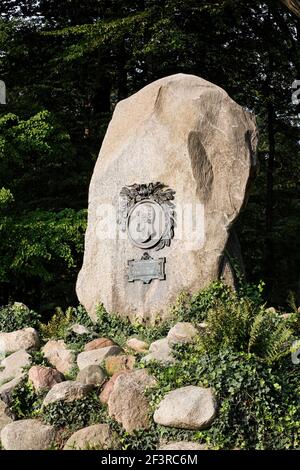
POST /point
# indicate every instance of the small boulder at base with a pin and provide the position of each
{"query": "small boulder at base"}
(7, 389)
(109, 386)
(96, 356)
(66, 391)
(137, 345)
(183, 445)
(59, 356)
(92, 375)
(160, 351)
(79, 329)
(128, 404)
(6, 416)
(182, 332)
(43, 378)
(27, 434)
(95, 437)
(114, 364)
(11, 373)
(26, 339)
(187, 408)
(98, 343)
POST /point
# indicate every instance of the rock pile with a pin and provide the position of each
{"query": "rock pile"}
(109, 370)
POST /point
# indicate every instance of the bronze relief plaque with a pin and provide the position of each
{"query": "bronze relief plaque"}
(147, 214)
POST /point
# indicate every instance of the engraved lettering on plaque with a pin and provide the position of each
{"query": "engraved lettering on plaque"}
(146, 269)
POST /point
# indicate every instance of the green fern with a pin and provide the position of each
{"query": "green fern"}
(241, 325)
(270, 337)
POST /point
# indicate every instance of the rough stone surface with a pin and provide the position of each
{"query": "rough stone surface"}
(66, 391)
(59, 355)
(127, 402)
(7, 389)
(233, 251)
(27, 339)
(98, 343)
(97, 436)
(187, 408)
(137, 345)
(182, 332)
(115, 364)
(202, 327)
(43, 378)
(183, 445)
(11, 373)
(92, 375)
(27, 434)
(190, 135)
(109, 386)
(96, 356)
(5, 415)
(79, 329)
(160, 351)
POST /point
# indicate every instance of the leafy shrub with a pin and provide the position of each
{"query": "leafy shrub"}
(195, 307)
(17, 316)
(242, 326)
(26, 403)
(120, 328)
(59, 325)
(76, 414)
(258, 403)
(206, 300)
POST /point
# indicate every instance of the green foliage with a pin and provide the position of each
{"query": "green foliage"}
(258, 403)
(17, 316)
(59, 324)
(195, 308)
(120, 328)
(243, 356)
(6, 197)
(38, 246)
(76, 414)
(242, 326)
(67, 64)
(40, 239)
(26, 403)
(59, 327)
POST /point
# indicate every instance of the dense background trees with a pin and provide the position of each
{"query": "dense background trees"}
(66, 64)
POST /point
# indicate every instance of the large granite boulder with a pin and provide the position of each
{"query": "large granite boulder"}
(67, 391)
(27, 339)
(109, 386)
(96, 356)
(44, 378)
(95, 437)
(98, 343)
(6, 416)
(128, 404)
(187, 408)
(190, 136)
(182, 332)
(57, 353)
(183, 445)
(12, 372)
(92, 375)
(160, 351)
(27, 434)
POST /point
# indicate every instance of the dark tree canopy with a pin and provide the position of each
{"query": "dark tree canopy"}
(66, 64)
